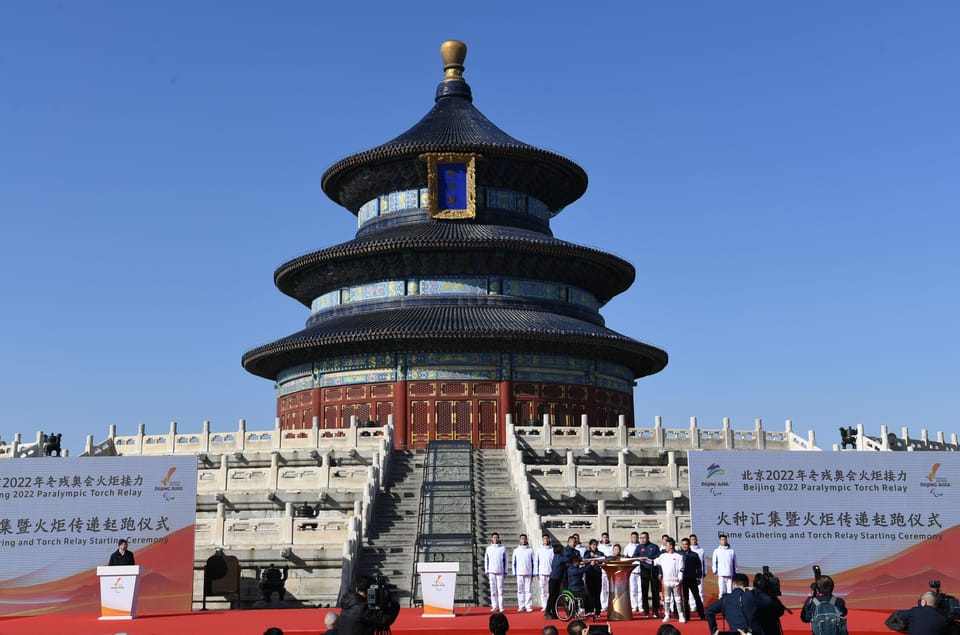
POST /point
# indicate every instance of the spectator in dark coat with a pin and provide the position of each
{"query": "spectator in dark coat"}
(926, 619)
(741, 608)
(356, 616)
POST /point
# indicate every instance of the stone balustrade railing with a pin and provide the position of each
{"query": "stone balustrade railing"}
(328, 530)
(618, 525)
(355, 436)
(256, 475)
(659, 438)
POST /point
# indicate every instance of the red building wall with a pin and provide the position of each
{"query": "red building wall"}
(453, 410)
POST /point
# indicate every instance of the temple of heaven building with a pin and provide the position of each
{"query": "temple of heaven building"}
(454, 306)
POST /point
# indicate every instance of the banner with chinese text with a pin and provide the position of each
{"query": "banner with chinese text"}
(881, 524)
(60, 518)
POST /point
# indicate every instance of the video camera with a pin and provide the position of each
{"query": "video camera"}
(767, 583)
(381, 593)
(946, 604)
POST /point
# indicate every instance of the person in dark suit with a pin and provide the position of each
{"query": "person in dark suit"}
(742, 608)
(122, 557)
(926, 619)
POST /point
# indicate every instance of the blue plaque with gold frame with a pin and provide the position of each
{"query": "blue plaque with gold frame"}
(452, 184)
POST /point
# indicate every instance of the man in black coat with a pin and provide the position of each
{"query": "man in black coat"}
(926, 619)
(692, 574)
(356, 616)
(122, 557)
(741, 608)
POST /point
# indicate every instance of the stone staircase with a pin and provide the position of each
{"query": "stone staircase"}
(496, 511)
(391, 540)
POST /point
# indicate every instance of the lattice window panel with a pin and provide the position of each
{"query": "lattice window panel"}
(384, 410)
(422, 389)
(463, 424)
(362, 410)
(379, 391)
(444, 413)
(332, 394)
(487, 423)
(486, 389)
(348, 411)
(524, 411)
(356, 392)
(447, 389)
(419, 420)
(578, 393)
(331, 416)
(603, 397)
(552, 391)
(558, 414)
(525, 389)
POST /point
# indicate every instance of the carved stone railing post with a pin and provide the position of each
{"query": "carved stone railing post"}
(584, 432)
(571, 470)
(205, 437)
(274, 477)
(222, 473)
(172, 439)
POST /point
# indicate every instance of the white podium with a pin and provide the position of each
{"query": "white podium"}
(438, 585)
(118, 592)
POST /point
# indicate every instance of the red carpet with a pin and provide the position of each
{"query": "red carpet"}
(469, 621)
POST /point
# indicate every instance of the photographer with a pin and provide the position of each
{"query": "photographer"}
(741, 608)
(771, 612)
(925, 619)
(816, 611)
(357, 617)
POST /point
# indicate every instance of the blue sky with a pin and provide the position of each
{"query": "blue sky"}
(784, 177)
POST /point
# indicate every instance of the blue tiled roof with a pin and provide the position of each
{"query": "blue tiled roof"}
(496, 249)
(453, 327)
(455, 125)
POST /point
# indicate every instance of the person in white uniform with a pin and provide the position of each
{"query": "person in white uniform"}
(495, 567)
(523, 570)
(606, 548)
(541, 568)
(632, 550)
(724, 565)
(671, 573)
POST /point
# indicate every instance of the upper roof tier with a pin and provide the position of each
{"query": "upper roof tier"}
(455, 125)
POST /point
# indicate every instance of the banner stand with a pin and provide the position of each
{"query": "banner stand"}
(438, 585)
(118, 592)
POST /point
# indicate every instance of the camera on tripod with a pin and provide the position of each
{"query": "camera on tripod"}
(767, 583)
(381, 593)
(946, 604)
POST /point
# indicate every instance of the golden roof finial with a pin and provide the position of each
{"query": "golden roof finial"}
(453, 52)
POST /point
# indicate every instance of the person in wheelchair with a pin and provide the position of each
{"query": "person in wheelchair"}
(576, 583)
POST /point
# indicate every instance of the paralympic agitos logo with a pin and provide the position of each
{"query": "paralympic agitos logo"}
(714, 480)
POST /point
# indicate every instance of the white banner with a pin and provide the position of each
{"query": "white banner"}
(62, 517)
(872, 520)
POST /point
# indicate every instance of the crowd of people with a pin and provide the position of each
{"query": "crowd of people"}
(666, 582)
